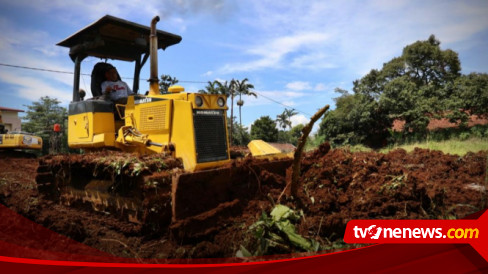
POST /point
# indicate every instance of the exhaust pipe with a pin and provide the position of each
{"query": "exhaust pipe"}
(153, 52)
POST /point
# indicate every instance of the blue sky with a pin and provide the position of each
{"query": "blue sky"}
(294, 52)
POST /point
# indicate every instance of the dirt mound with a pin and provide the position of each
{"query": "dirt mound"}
(423, 184)
(336, 186)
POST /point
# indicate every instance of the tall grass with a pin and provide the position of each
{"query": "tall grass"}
(453, 146)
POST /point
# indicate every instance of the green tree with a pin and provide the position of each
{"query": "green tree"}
(40, 119)
(403, 100)
(284, 119)
(227, 88)
(358, 118)
(467, 95)
(414, 85)
(427, 64)
(290, 113)
(371, 84)
(243, 87)
(166, 82)
(423, 63)
(211, 88)
(265, 129)
(284, 136)
(290, 136)
(470, 93)
(241, 136)
(421, 84)
(295, 133)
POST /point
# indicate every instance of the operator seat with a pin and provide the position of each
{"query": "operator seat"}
(98, 76)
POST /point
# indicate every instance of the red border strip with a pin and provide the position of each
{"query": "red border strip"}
(149, 265)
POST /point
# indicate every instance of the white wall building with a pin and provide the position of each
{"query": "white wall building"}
(10, 119)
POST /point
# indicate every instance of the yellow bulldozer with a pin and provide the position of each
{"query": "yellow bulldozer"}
(18, 139)
(157, 158)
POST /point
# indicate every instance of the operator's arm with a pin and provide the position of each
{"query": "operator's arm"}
(106, 87)
(129, 91)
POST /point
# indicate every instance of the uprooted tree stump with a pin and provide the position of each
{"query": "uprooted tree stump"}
(293, 180)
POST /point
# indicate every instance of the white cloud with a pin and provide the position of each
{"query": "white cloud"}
(291, 94)
(273, 97)
(354, 36)
(220, 80)
(34, 49)
(289, 103)
(387, 5)
(272, 53)
(176, 13)
(312, 45)
(453, 21)
(313, 61)
(31, 48)
(299, 119)
(320, 87)
(190, 87)
(24, 40)
(32, 88)
(208, 73)
(298, 85)
(307, 86)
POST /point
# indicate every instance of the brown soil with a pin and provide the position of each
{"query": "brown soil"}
(336, 186)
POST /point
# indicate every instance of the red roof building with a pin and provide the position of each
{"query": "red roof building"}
(435, 124)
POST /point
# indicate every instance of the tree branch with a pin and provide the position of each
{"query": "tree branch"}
(296, 166)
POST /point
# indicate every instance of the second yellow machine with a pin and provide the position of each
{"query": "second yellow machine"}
(18, 140)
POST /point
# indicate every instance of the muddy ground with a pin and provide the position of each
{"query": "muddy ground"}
(336, 186)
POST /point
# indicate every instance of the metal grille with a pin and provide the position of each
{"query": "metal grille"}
(153, 118)
(210, 135)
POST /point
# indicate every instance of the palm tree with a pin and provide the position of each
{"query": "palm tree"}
(231, 89)
(284, 120)
(166, 82)
(243, 88)
(211, 88)
(228, 89)
(290, 113)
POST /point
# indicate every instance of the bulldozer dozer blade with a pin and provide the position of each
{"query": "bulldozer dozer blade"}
(263, 150)
(198, 192)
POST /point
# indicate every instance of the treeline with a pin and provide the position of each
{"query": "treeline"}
(40, 119)
(423, 83)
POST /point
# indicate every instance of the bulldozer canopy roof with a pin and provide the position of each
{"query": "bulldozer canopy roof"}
(114, 38)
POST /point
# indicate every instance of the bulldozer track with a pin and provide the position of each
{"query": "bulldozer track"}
(154, 191)
(137, 190)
